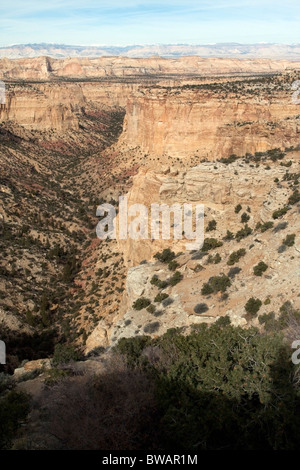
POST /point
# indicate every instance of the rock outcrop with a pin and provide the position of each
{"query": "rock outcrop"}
(45, 68)
(215, 185)
(208, 125)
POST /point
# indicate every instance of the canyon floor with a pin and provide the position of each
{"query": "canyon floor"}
(77, 133)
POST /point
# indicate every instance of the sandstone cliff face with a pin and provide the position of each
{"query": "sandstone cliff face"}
(41, 108)
(45, 68)
(195, 122)
(176, 120)
(219, 187)
(260, 190)
(54, 106)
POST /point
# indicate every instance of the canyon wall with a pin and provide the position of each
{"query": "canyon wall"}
(186, 122)
(56, 106)
(178, 120)
(46, 68)
(215, 185)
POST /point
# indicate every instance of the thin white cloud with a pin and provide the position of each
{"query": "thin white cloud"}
(152, 21)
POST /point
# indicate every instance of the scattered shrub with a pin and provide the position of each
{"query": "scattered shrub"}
(294, 198)
(280, 212)
(64, 353)
(264, 227)
(173, 265)
(54, 376)
(206, 289)
(151, 308)
(268, 320)
(289, 240)
(161, 297)
(223, 321)
(244, 232)
(229, 236)
(210, 244)
(253, 305)
(245, 217)
(235, 256)
(214, 259)
(212, 225)
(260, 268)
(14, 408)
(166, 256)
(141, 303)
(201, 308)
(177, 277)
(216, 284)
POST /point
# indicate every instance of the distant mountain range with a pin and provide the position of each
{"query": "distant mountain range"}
(226, 50)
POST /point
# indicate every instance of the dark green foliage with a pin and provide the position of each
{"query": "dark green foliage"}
(7, 382)
(44, 310)
(237, 208)
(264, 227)
(229, 236)
(132, 348)
(266, 318)
(70, 269)
(214, 259)
(231, 159)
(54, 376)
(260, 268)
(216, 284)
(294, 198)
(177, 277)
(245, 217)
(14, 408)
(206, 289)
(223, 321)
(287, 308)
(243, 233)
(64, 353)
(280, 212)
(155, 281)
(289, 240)
(212, 225)
(151, 308)
(173, 265)
(253, 305)
(165, 256)
(275, 154)
(161, 297)
(235, 256)
(294, 177)
(210, 244)
(223, 387)
(201, 308)
(30, 318)
(141, 303)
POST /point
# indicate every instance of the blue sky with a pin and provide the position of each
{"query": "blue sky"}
(116, 22)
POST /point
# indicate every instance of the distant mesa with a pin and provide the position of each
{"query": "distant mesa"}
(222, 50)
